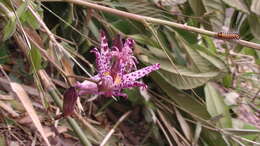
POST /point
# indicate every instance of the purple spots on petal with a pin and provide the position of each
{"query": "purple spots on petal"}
(142, 72)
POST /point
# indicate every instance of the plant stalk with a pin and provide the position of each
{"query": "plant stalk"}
(141, 18)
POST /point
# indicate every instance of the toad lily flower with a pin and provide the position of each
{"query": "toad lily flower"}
(116, 70)
(112, 85)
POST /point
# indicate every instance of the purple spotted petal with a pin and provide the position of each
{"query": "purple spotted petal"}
(103, 56)
(129, 43)
(98, 59)
(127, 55)
(104, 43)
(140, 73)
(123, 54)
(102, 62)
(131, 84)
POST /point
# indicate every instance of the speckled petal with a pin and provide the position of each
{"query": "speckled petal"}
(104, 44)
(98, 59)
(103, 56)
(140, 73)
(129, 43)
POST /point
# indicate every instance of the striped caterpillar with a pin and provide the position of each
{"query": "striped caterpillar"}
(227, 36)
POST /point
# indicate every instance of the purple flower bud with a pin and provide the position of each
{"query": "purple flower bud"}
(69, 100)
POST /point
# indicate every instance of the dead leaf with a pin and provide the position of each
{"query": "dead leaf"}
(24, 98)
(50, 131)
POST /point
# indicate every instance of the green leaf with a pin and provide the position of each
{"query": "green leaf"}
(227, 80)
(186, 101)
(197, 7)
(9, 28)
(174, 47)
(30, 20)
(141, 7)
(216, 106)
(27, 17)
(190, 105)
(216, 8)
(182, 78)
(198, 63)
(249, 51)
(255, 7)
(144, 39)
(238, 4)
(210, 44)
(22, 9)
(185, 79)
(36, 58)
(212, 138)
(134, 96)
(124, 24)
(214, 62)
(188, 36)
(4, 53)
(93, 28)
(2, 140)
(254, 23)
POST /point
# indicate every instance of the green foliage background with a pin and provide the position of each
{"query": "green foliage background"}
(196, 98)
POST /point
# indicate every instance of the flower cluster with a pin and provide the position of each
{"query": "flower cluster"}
(116, 70)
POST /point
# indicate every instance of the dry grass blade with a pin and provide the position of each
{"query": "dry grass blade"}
(197, 134)
(176, 135)
(184, 125)
(165, 133)
(113, 129)
(28, 89)
(91, 128)
(24, 98)
(8, 108)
